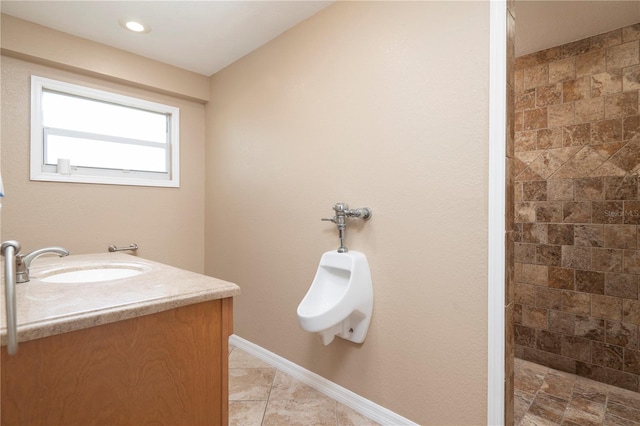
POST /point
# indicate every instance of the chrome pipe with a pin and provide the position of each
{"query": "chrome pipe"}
(10, 249)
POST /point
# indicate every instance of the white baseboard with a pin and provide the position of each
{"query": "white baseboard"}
(362, 405)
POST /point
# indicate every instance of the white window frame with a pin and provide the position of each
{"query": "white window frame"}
(39, 171)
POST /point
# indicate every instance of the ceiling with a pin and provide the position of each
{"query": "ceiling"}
(206, 36)
(200, 36)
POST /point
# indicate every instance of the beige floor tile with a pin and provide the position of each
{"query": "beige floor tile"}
(246, 413)
(241, 359)
(250, 384)
(286, 387)
(558, 384)
(349, 417)
(548, 407)
(300, 413)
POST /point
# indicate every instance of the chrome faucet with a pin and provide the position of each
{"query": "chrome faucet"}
(342, 212)
(23, 262)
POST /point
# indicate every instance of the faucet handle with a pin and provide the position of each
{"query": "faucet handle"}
(330, 219)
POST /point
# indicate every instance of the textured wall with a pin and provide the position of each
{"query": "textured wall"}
(379, 104)
(577, 207)
(166, 223)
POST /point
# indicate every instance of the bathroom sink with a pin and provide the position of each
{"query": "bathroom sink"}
(92, 274)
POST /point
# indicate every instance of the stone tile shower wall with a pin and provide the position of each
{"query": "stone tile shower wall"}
(577, 207)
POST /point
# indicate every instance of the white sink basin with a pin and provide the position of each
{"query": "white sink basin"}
(92, 275)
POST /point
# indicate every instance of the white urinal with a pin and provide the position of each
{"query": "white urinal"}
(340, 299)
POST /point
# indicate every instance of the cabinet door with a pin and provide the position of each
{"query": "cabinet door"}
(168, 368)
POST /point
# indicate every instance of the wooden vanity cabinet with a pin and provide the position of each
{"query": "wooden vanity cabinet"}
(166, 368)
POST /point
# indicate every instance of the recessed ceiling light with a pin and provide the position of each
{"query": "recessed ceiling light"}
(133, 25)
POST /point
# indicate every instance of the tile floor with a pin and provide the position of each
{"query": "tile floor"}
(544, 396)
(259, 394)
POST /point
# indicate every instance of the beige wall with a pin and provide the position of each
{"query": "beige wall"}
(166, 223)
(379, 104)
(35, 43)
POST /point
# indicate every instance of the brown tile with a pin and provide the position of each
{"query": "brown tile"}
(588, 390)
(564, 69)
(623, 55)
(631, 311)
(525, 253)
(576, 347)
(624, 397)
(609, 308)
(606, 131)
(561, 278)
(528, 378)
(631, 78)
(549, 138)
(621, 285)
(630, 127)
(608, 212)
(549, 255)
(576, 135)
(518, 80)
(589, 189)
(577, 89)
(536, 118)
(621, 105)
(605, 355)
(590, 328)
(536, 76)
(561, 114)
(533, 233)
(522, 401)
(607, 150)
(525, 336)
(535, 190)
(576, 48)
(576, 257)
(632, 32)
(582, 164)
(621, 334)
(576, 416)
(534, 317)
(621, 379)
(632, 212)
(606, 83)
(550, 94)
(562, 322)
(631, 261)
(628, 157)
(591, 63)
(620, 236)
(525, 141)
(576, 212)
(589, 235)
(607, 39)
(589, 110)
(525, 100)
(548, 407)
(525, 294)
(548, 298)
(590, 282)
(525, 212)
(561, 234)
(621, 188)
(535, 274)
(548, 341)
(626, 412)
(576, 303)
(549, 211)
(606, 259)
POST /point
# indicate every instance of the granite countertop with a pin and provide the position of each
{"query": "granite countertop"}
(46, 308)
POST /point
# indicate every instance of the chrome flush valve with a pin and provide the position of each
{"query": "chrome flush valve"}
(342, 212)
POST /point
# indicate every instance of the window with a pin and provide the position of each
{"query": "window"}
(85, 135)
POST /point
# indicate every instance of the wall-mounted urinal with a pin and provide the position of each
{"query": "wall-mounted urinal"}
(340, 299)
